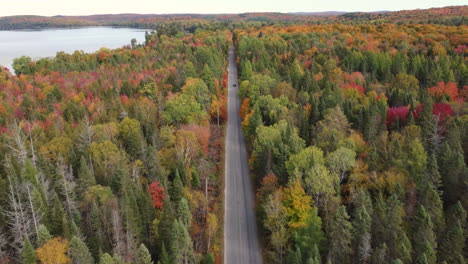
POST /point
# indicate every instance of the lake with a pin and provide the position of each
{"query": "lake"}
(46, 43)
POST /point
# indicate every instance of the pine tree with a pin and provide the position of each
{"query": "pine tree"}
(66, 227)
(177, 188)
(79, 252)
(432, 171)
(75, 230)
(181, 243)
(453, 242)
(315, 259)
(56, 217)
(143, 255)
(43, 235)
(340, 235)
(165, 226)
(183, 212)
(106, 259)
(362, 222)
(28, 254)
(295, 257)
(422, 259)
(309, 237)
(85, 176)
(380, 255)
(94, 234)
(432, 202)
(164, 257)
(451, 249)
(424, 239)
(396, 239)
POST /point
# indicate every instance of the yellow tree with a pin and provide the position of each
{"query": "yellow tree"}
(297, 205)
(54, 251)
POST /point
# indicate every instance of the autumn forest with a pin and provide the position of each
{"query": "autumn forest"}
(355, 125)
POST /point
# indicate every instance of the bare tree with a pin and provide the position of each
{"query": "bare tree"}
(17, 144)
(3, 246)
(19, 218)
(68, 185)
(117, 232)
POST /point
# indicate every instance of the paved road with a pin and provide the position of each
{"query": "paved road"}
(240, 228)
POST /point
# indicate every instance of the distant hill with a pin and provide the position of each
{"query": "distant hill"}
(453, 15)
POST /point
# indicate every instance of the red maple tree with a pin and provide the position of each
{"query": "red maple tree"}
(157, 194)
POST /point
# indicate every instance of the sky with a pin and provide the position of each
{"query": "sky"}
(89, 7)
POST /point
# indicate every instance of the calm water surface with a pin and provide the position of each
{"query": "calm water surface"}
(46, 43)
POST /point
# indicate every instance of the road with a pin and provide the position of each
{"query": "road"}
(241, 243)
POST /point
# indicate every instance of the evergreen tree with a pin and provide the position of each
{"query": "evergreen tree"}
(85, 176)
(79, 252)
(164, 257)
(362, 223)
(340, 236)
(183, 212)
(165, 226)
(177, 188)
(453, 242)
(106, 259)
(94, 234)
(295, 257)
(43, 235)
(424, 239)
(181, 243)
(143, 255)
(451, 249)
(308, 238)
(28, 254)
(56, 217)
(380, 255)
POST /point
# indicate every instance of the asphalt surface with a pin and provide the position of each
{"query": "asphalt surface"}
(241, 243)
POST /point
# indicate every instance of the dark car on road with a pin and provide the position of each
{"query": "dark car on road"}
(234, 85)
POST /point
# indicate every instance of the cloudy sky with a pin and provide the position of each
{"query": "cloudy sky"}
(88, 7)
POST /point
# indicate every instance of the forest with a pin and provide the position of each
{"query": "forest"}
(356, 127)
(358, 140)
(114, 157)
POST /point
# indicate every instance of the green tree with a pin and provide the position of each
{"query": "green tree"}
(209, 259)
(79, 252)
(403, 90)
(85, 176)
(27, 253)
(132, 137)
(308, 166)
(43, 235)
(341, 161)
(362, 222)
(107, 159)
(424, 240)
(307, 239)
(56, 217)
(23, 65)
(143, 256)
(164, 257)
(340, 236)
(176, 190)
(183, 212)
(106, 259)
(332, 129)
(453, 241)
